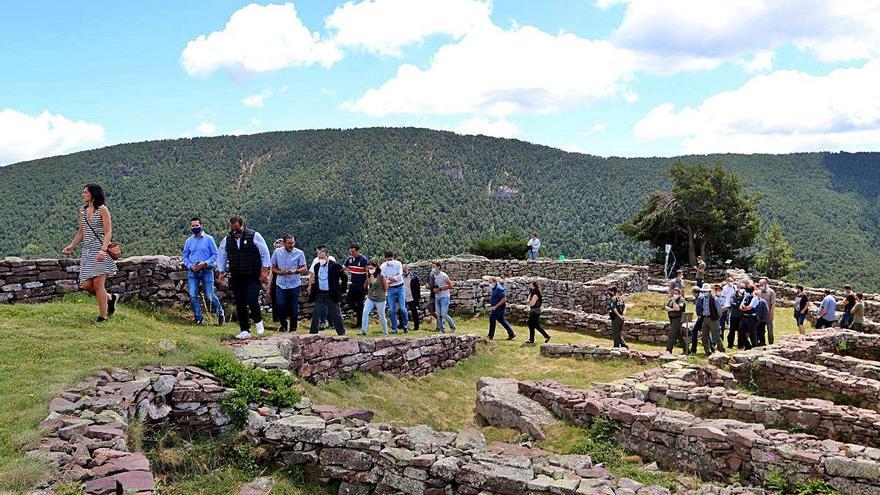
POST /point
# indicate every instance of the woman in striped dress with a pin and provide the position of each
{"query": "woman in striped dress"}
(95, 265)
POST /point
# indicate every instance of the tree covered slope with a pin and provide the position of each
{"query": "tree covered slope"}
(427, 193)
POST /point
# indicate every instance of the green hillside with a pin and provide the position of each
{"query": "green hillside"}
(426, 193)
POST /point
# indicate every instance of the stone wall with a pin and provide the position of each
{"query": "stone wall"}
(592, 351)
(477, 267)
(468, 296)
(85, 434)
(317, 358)
(714, 448)
(381, 459)
(634, 329)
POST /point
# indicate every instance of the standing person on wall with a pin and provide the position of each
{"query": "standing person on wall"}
(243, 253)
(534, 245)
(701, 272)
(95, 263)
(199, 258)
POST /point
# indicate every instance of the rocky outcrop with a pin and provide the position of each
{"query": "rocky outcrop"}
(499, 403)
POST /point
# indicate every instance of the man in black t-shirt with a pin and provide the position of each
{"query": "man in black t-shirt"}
(356, 267)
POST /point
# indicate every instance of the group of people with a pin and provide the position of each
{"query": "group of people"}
(747, 311)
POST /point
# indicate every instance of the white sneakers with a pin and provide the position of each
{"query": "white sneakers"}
(260, 329)
(243, 335)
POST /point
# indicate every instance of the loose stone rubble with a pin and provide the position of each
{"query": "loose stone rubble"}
(85, 434)
(593, 351)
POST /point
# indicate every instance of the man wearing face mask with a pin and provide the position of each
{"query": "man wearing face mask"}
(199, 258)
(327, 284)
(244, 254)
(498, 303)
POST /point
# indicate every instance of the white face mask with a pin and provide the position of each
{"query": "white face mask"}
(372, 271)
(323, 261)
(493, 285)
(433, 270)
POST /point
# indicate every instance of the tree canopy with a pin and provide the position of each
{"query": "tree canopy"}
(705, 214)
(776, 258)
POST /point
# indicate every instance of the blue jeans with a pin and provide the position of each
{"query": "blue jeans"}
(205, 278)
(441, 309)
(369, 306)
(397, 301)
(533, 255)
(497, 316)
(287, 305)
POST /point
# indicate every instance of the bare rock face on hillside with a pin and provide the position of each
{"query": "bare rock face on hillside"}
(500, 404)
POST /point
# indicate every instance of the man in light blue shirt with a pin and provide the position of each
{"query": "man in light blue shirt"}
(288, 263)
(827, 311)
(199, 258)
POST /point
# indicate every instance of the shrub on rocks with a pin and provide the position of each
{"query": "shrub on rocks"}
(252, 385)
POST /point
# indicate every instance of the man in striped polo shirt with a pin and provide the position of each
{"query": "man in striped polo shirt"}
(356, 266)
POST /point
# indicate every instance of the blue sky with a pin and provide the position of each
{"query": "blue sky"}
(606, 77)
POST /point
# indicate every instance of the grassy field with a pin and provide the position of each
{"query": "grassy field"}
(48, 347)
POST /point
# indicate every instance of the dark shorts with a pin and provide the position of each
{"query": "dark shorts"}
(800, 317)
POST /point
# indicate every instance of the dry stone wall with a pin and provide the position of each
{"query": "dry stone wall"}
(477, 267)
(634, 329)
(318, 358)
(714, 448)
(592, 351)
(86, 432)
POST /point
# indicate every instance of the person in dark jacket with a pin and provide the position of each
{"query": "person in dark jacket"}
(498, 303)
(356, 267)
(413, 295)
(244, 255)
(327, 284)
(616, 307)
(735, 330)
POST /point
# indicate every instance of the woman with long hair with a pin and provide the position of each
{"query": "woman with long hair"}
(376, 286)
(95, 265)
(535, 302)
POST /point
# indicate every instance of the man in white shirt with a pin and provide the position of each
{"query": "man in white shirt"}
(392, 270)
(727, 293)
(534, 246)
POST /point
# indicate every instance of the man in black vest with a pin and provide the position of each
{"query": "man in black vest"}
(327, 283)
(244, 254)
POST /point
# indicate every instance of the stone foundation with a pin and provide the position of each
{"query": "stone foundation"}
(85, 435)
(634, 329)
(318, 358)
(592, 351)
(474, 267)
(714, 448)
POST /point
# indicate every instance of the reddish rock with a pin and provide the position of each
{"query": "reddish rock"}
(131, 462)
(135, 481)
(103, 432)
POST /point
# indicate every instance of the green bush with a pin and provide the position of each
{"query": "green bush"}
(252, 385)
(510, 246)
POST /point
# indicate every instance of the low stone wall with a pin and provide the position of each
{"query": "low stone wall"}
(592, 351)
(85, 434)
(634, 329)
(472, 267)
(470, 295)
(714, 448)
(379, 458)
(318, 358)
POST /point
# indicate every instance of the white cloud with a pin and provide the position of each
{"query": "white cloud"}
(206, 128)
(499, 127)
(258, 39)
(253, 100)
(760, 62)
(691, 34)
(256, 122)
(780, 112)
(596, 128)
(25, 137)
(499, 72)
(384, 27)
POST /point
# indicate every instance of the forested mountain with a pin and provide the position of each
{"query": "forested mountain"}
(427, 193)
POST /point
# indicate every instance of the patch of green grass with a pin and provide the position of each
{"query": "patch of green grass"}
(782, 483)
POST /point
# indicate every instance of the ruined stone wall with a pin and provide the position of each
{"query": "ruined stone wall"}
(317, 358)
(713, 448)
(579, 270)
(634, 329)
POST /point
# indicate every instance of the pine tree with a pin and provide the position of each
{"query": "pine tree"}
(776, 259)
